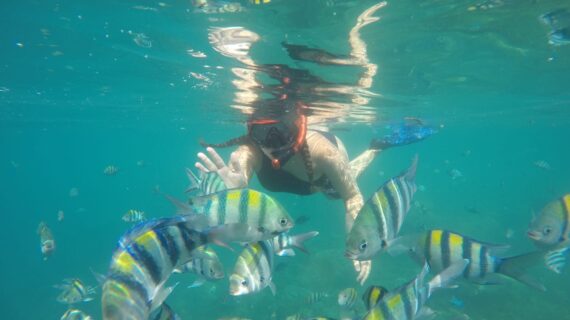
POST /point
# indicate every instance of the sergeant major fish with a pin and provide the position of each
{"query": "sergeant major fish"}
(133, 216)
(253, 270)
(206, 264)
(75, 314)
(144, 259)
(407, 302)
(372, 295)
(381, 217)
(347, 298)
(264, 215)
(551, 231)
(208, 183)
(441, 248)
(74, 291)
(283, 243)
(47, 243)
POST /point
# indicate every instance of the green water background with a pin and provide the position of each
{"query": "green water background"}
(489, 76)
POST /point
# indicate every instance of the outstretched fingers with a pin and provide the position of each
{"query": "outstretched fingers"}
(206, 162)
(218, 161)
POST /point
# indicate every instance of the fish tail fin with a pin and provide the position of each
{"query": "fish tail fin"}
(444, 278)
(410, 174)
(298, 240)
(194, 181)
(516, 267)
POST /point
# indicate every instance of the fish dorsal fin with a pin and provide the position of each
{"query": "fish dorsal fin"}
(194, 181)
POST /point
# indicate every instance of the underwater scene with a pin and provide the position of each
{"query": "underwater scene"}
(285, 159)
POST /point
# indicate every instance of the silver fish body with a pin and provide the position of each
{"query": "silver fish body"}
(254, 269)
(381, 217)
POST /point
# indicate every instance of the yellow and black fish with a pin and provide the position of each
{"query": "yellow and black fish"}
(406, 303)
(381, 217)
(372, 295)
(145, 257)
(441, 248)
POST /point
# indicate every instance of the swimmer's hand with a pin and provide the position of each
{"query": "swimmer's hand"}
(233, 176)
(363, 268)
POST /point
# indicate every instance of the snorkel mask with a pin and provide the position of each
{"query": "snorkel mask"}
(278, 139)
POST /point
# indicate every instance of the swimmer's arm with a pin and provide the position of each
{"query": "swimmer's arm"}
(344, 182)
(245, 160)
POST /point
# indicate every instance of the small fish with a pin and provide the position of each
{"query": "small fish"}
(442, 248)
(74, 291)
(542, 164)
(259, 1)
(456, 302)
(142, 40)
(552, 226)
(75, 314)
(110, 170)
(208, 183)
(133, 216)
(372, 295)
(455, 174)
(284, 243)
(206, 265)
(316, 297)
(559, 37)
(556, 18)
(347, 298)
(164, 313)
(60, 215)
(253, 270)
(509, 233)
(261, 215)
(381, 217)
(144, 259)
(551, 231)
(73, 192)
(47, 243)
(407, 302)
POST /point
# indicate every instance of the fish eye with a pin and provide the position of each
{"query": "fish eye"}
(261, 279)
(244, 283)
(383, 243)
(283, 221)
(547, 230)
(363, 245)
(211, 271)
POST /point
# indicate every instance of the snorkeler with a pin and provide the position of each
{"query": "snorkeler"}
(282, 146)
(288, 157)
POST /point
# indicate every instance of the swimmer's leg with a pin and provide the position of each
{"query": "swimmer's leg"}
(358, 164)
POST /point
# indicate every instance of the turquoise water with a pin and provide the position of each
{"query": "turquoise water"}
(77, 94)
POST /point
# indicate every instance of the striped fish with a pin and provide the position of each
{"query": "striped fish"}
(316, 297)
(164, 313)
(259, 1)
(347, 298)
(253, 270)
(266, 217)
(206, 184)
(284, 243)
(74, 291)
(406, 302)
(551, 230)
(441, 249)
(47, 243)
(144, 259)
(75, 314)
(372, 295)
(552, 227)
(133, 216)
(381, 217)
(206, 264)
